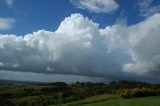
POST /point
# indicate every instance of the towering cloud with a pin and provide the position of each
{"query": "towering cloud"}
(144, 44)
(80, 47)
(76, 47)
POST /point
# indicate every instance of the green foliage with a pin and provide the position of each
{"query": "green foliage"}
(139, 92)
(5, 102)
(60, 92)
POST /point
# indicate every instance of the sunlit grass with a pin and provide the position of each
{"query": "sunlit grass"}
(145, 101)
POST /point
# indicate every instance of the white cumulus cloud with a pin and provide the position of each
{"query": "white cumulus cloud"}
(9, 2)
(147, 8)
(81, 48)
(98, 6)
(76, 47)
(6, 23)
(144, 45)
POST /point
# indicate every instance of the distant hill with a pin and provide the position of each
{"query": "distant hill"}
(18, 82)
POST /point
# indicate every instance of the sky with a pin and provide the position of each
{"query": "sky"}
(80, 40)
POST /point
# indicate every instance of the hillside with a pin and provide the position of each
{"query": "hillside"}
(43, 94)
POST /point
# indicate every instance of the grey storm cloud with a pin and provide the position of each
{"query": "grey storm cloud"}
(80, 47)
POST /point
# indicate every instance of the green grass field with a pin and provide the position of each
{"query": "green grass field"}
(145, 101)
(93, 99)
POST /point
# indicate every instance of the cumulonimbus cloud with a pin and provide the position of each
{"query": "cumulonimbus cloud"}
(80, 47)
(144, 44)
(76, 47)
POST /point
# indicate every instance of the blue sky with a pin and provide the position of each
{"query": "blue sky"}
(80, 40)
(34, 15)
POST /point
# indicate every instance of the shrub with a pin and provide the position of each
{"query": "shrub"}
(139, 92)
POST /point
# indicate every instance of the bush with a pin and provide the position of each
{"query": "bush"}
(139, 92)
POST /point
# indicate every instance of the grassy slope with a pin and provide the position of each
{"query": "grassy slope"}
(102, 97)
(93, 99)
(145, 101)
